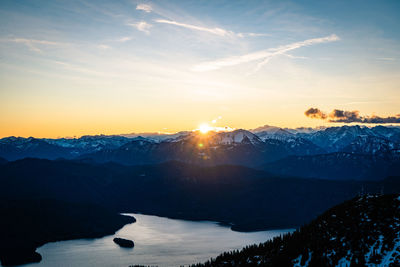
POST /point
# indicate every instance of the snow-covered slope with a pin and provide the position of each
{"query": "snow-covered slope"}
(365, 144)
(265, 128)
(90, 143)
(264, 144)
(334, 139)
(364, 231)
(158, 137)
(279, 134)
(235, 137)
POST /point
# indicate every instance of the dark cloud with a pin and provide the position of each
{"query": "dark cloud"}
(315, 113)
(338, 115)
(345, 116)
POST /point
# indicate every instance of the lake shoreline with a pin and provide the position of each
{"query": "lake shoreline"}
(29, 224)
(240, 228)
(158, 241)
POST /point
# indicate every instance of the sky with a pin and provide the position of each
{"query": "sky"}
(70, 68)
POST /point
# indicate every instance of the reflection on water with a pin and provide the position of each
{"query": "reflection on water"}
(158, 241)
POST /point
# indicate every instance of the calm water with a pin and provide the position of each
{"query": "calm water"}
(158, 241)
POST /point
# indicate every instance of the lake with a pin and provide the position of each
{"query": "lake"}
(158, 241)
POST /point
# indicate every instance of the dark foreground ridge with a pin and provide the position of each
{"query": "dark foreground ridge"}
(244, 198)
(365, 230)
(28, 224)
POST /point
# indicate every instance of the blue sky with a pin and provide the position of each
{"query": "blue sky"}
(87, 67)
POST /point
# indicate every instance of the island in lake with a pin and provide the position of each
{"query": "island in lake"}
(125, 243)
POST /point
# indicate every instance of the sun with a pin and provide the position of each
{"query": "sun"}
(205, 128)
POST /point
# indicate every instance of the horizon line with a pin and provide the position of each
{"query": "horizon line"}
(137, 134)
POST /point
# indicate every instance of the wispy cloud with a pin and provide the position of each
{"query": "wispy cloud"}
(264, 55)
(144, 7)
(103, 47)
(76, 68)
(124, 39)
(32, 44)
(252, 34)
(142, 26)
(386, 58)
(217, 31)
(295, 57)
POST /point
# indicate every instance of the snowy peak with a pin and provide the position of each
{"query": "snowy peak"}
(211, 138)
(159, 137)
(278, 134)
(236, 137)
(265, 128)
(365, 144)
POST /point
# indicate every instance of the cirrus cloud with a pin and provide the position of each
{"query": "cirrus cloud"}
(217, 31)
(142, 26)
(144, 7)
(264, 55)
(32, 44)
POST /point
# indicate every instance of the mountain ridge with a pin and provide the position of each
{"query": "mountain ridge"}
(364, 231)
(274, 149)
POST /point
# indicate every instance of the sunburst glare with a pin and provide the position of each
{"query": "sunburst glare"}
(205, 128)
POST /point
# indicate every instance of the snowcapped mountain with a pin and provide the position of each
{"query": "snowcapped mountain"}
(138, 151)
(364, 231)
(90, 143)
(305, 129)
(390, 133)
(265, 128)
(235, 137)
(273, 129)
(334, 139)
(264, 145)
(279, 134)
(331, 139)
(239, 147)
(365, 144)
(158, 137)
(13, 148)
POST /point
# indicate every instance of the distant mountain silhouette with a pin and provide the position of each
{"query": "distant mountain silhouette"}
(346, 152)
(240, 147)
(3, 161)
(13, 148)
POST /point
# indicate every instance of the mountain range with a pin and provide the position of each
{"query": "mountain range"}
(250, 180)
(346, 152)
